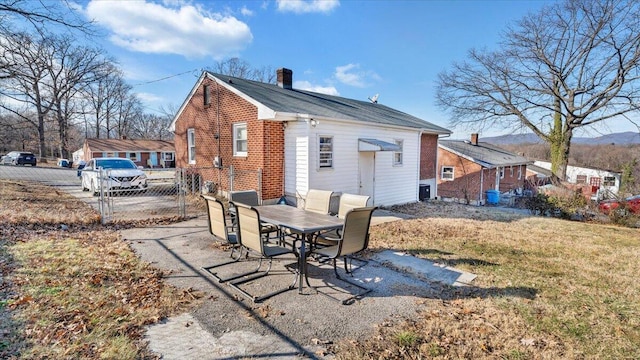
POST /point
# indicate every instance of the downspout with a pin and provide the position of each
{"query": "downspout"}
(481, 185)
(218, 134)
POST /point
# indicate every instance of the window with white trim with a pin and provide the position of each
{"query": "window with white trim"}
(397, 155)
(609, 181)
(240, 139)
(133, 156)
(191, 145)
(447, 173)
(325, 152)
(167, 156)
(581, 179)
(501, 170)
(519, 172)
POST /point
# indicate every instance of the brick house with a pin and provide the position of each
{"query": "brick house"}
(467, 169)
(300, 140)
(147, 153)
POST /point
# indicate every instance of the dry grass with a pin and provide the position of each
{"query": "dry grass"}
(70, 288)
(546, 288)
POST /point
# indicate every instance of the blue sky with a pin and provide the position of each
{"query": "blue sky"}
(353, 49)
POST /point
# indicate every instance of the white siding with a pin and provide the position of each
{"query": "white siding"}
(393, 184)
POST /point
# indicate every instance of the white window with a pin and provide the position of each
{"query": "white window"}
(501, 170)
(325, 152)
(240, 139)
(609, 181)
(519, 172)
(133, 156)
(191, 145)
(397, 156)
(109, 154)
(167, 156)
(447, 173)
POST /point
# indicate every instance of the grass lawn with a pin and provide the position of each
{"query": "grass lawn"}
(69, 287)
(546, 288)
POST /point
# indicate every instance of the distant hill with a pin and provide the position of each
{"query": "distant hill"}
(623, 138)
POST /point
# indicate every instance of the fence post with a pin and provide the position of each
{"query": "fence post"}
(231, 176)
(181, 188)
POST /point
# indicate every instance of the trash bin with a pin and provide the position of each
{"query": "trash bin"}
(424, 193)
(493, 196)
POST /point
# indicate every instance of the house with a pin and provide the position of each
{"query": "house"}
(298, 140)
(596, 184)
(147, 153)
(467, 169)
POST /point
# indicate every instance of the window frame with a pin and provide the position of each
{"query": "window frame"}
(501, 171)
(235, 128)
(609, 181)
(191, 145)
(452, 172)
(582, 179)
(329, 161)
(171, 156)
(136, 156)
(400, 153)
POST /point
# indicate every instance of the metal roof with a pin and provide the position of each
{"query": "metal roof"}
(485, 154)
(321, 105)
(377, 145)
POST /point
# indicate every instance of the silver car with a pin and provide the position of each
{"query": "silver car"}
(117, 174)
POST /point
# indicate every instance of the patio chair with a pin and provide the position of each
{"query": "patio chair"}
(250, 198)
(317, 201)
(354, 238)
(218, 227)
(347, 202)
(250, 238)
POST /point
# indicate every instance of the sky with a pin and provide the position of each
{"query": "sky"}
(353, 49)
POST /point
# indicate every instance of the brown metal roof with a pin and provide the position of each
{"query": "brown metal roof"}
(129, 145)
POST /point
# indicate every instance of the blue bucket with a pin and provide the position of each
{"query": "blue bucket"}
(493, 196)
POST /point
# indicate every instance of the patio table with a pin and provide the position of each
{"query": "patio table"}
(301, 221)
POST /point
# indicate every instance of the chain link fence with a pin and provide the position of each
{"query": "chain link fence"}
(138, 195)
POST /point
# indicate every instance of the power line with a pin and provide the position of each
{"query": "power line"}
(165, 78)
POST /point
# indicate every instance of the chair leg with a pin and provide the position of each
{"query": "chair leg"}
(356, 296)
(224, 280)
(256, 299)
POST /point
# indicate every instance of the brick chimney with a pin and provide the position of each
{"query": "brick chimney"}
(285, 78)
(474, 139)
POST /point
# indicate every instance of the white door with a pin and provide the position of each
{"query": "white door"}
(367, 171)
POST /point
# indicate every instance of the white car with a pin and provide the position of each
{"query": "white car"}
(118, 174)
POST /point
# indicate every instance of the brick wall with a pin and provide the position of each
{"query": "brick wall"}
(265, 144)
(428, 154)
(468, 176)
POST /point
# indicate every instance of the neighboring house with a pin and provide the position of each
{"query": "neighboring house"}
(147, 153)
(301, 140)
(596, 184)
(467, 169)
(77, 156)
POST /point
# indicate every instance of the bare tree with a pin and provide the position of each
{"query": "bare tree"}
(41, 15)
(25, 88)
(573, 64)
(239, 68)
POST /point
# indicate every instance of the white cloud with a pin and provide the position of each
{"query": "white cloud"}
(305, 85)
(351, 74)
(246, 12)
(307, 6)
(177, 28)
(149, 97)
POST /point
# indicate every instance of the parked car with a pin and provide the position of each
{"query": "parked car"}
(117, 174)
(19, 158)
(632, 204)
